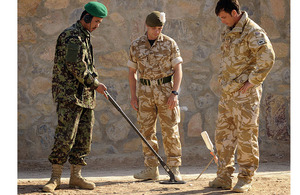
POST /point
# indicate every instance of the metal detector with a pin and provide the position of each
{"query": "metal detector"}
(167, 169)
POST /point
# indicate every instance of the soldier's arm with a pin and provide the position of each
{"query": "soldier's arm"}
(261, 46)
(177, 77)
(76, 64)
(132, 77)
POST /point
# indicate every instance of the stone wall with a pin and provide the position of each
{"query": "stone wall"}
(196, 29)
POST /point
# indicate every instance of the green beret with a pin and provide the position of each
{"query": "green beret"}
(156, 18)
(96, 9)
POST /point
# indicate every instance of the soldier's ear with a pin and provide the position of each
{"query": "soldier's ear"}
(234, 13)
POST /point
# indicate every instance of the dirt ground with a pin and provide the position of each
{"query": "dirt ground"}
(271, 178)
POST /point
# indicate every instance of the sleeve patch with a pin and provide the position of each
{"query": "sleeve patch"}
(72, 51)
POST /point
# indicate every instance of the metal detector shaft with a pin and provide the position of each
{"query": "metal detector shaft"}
(167, 169)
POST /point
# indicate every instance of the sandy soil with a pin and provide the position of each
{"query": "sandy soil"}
(271, 178)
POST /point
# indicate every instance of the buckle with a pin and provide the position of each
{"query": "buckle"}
(153, 82)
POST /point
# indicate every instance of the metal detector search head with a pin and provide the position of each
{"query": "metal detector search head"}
(167, 169)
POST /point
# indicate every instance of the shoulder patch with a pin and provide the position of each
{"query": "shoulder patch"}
(72, 51)
(261, 42)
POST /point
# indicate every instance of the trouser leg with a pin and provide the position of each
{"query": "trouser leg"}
(83, 140)
(169, 120)
(65, 133)
(225, 140)
(147, 116)
(247, 149)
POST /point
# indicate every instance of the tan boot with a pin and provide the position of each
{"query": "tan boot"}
(54, 181)
(220, 183)
(243, 185)
(148, 173)
(175, 171)
(76, 180)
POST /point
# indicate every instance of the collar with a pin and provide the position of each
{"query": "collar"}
(83, 30)
(239, 27)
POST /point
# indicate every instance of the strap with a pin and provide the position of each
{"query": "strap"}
(158, 81)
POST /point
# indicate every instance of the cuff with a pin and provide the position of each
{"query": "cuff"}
(131, 64)
(176, 61)
(95, 84)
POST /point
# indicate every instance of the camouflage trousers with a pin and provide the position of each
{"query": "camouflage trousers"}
(73, 135)
(153, 104)
(237, 130)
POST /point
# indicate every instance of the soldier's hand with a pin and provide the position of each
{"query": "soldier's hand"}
(246, 86)
(101, 88)
(172, 101)
(134, 103)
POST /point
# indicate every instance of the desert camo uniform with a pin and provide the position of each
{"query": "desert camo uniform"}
(247, 55)
(154, 66)
(73, 89)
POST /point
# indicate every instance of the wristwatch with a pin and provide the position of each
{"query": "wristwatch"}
(175, 92)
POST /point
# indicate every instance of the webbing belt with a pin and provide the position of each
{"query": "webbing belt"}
(158, 81)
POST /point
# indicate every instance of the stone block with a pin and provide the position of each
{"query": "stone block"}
(133, 145)
(195, 125)
(277, 117)
(52, 24)
(281, 49)
(114, 59)
(28, 8)
(178, 9)
(117, 18)
(56, 4)
(118, 130)
(40, 85)
(268, 24)
(26, 34)
(205, 101)
(278, 9)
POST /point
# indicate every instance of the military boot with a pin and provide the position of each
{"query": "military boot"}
(148, 173)
(54, 181)
(175, 171)
(76, 180)
(221, 183)
(243, 185)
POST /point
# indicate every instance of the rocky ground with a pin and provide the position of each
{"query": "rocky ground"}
(271, 178)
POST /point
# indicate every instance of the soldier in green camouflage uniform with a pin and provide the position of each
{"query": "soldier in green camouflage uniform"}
(247, 58)
(157, 60)
(74, 87)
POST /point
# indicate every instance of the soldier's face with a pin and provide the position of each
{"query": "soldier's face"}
(94, 23)
(153, 32)
(228, 19)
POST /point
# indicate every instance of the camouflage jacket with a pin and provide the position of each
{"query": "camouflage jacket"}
(154, 62)
(247, 55)
(74, 74)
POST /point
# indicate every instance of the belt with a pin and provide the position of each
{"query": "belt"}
(158, 81)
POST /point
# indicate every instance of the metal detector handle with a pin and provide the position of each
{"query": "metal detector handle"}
(167, 169)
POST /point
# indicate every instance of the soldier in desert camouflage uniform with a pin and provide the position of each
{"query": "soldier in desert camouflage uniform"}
(247, 58)
(157, 60)
(73, 88)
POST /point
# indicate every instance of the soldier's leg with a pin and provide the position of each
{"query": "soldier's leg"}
(83, 140)
(147, 116)
(225, 141)
(68, 120)
(81, 149)
(247, 149)
(169, 120)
